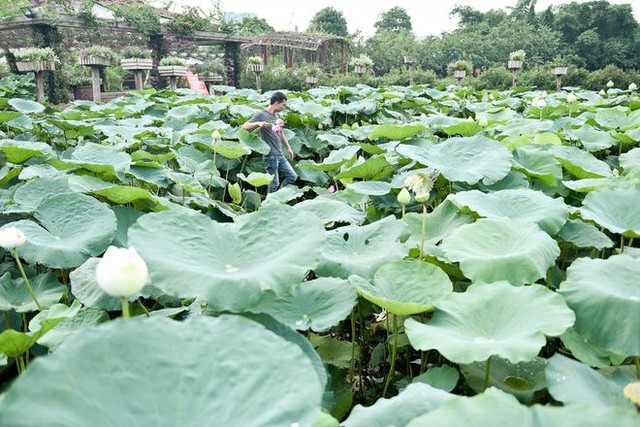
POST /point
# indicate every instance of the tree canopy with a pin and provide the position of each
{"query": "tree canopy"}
(329, 21)
(393, 20)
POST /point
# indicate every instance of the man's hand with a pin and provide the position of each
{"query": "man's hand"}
(290, 152)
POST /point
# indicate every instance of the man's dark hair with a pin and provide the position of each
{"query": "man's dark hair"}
(277, 97)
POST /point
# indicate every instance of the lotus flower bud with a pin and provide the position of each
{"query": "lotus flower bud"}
(483, 122)
(601, 93)
(610, 84)
(121, 272)
(215, 135)
(12, 237)
(571, 98)
(404, 197)
(633, 87)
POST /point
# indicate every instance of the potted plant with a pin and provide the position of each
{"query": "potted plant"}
(559, 67)
(210, 72)
(135, 58)
(516, 58)
(361, 64)
(311, 74)
(79, 79)
(100, 56)
(255, 64)
(459, 69)
(36, 59)
(172, 67)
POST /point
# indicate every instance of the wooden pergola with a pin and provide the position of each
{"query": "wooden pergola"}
(315, 48)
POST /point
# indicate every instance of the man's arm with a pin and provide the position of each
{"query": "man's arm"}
(249, 125)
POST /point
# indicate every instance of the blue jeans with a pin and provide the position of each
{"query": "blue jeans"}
(276, 163)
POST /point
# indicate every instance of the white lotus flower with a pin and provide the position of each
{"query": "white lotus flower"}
(633, 87)
(610, 84)
(539, 103)
(12, 237)
(571, 98)
(121, 272)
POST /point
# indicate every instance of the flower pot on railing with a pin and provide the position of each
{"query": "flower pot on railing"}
(172, 70)
(360, 69)
(409, 60)
(36, 66)
(312, 80)
(514, 65)
(136, 63)
(256, 68)
(560, 71)
(459, 74)
(94, 61)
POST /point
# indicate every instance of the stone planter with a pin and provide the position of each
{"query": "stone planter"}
(514, 65)
(94, 61)
(459, 74)
(136, 63)
(36, 66)
(560, 71)
(312, 80)
(211, 77)
(172, 70)
(256, 68)
(360, 69)
(409, 60)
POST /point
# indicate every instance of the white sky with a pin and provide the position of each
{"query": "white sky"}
(428, 17)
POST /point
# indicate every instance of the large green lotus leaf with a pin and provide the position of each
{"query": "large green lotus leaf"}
(257, 179)
(100, 154)
(464, 159)
(414, 400)
(614, 118)
(519, 379)
(84, 318)
(26, 106)
(14, 294)
(8, 116)
(71, 228)
(492, 320)
(617, 210)
(396, 132)
(230, 265)
(587, 352)
(606, 298)
(125, 218)
(126, 194)
(334, 160)
(405, 287)
(14, 343)
(254, 142)
(537, 163)
(572, 382)
(85, 288)
(580, 163)
(490, 250)
(443, 377)
(229, 149)
(522, 204)
(630, 159)
(361, 250)
(464, 128)
(18, 152)
(317, 304)
(593, 139)
(185, 113)
(374, 168)
(330, 211)
(444, 219)
(584, 235)
(495, 408)
(201, 379)
(32, 193)
(370, 188)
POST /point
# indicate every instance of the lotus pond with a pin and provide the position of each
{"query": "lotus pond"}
(447, 255)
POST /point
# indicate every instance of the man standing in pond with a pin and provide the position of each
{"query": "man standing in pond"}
(271, 132)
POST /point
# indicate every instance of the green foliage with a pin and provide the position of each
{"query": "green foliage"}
(136, 52)
(386, 49)
(249, 26)
(173, 60)
(142, 16)
(35, 54)
(275, 79)
(459, 65)
(497, 77)
(101, 52)
(113, 78)
(76, 74)
(538, 77)
(598, 79)
(188, 22)
(394, 20)
(17, 86)
(329, 21)
(400, 77)
(361, 61)
(517, 55)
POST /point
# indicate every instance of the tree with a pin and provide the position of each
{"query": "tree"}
(253, 26)
(329, 21)
(386, 49)
(393, 20)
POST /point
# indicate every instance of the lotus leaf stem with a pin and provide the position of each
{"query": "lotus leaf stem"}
(125, 308)
(424, 230)
(6, 319)
(637, 359)
(146, 312)
(14, 251)
(394, 352)
(21, 366)
(487, 370)
(353, 347)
